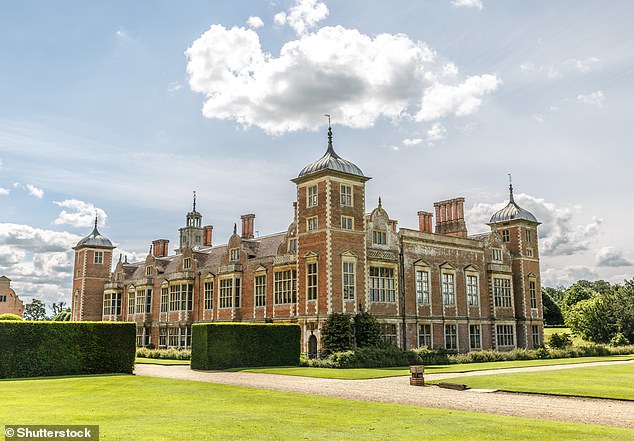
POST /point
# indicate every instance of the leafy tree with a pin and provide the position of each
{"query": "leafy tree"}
(56, 308)
(559, 340)
(36, 310)
(552, 311)
(337, 333)
(63, 316)
(367, 331)
(556, 294)
(575, 294)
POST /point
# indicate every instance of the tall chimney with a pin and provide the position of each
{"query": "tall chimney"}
(451, 220)
(424, 221)
(207, 235)
(160, 247)
(247, 225)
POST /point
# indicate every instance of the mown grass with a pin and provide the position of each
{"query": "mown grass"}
(368, 373)
(611, 381)
(141, 408)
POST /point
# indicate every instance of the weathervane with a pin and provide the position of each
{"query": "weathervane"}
(327, 115)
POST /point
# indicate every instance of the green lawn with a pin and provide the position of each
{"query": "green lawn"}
(614, 381)
(163, 361)
(140, 408)
(362, 374)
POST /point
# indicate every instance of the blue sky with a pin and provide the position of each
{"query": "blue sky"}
(127, 107)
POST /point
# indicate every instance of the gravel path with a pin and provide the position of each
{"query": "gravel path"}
(397, 390)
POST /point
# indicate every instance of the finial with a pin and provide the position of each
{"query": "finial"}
(511, 189)
(150, 249)
(96, 219)
(194, 200)
(327, 115)
(330, 148)
(379, 201)
(119, 257)
(235, 229)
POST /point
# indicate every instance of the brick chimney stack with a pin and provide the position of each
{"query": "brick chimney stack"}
(160, 247)
(450, 217)
(424, 221)
(207, 235)
(247, 225)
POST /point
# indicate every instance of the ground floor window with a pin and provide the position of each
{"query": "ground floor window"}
(143, 336)
(451, 337)
(535, 334)
(388, 332)
(505, 336)
(424, 336)
(162, 337)
(179, 337)
(475, 340)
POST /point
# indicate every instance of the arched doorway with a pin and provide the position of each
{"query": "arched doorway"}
(312, 346)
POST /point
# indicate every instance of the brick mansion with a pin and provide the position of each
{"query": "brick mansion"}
(434, 286)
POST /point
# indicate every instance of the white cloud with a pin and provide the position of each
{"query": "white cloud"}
(585, 64)
(468, 4)
(611, 257)
(35, 239)
(436, 132)
(527, 66)
(35, 191)
(553, 73)
(566, 276)
(304, 15)
(4, 191)
(255, 22)
(441, 99)
(174, 86)
(595, 98)
(558, 234)
(538, 117)
(412, 141)
(82, 214)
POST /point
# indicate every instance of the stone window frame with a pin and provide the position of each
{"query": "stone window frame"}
(383, 287)
(448, 279)
(347, 223)
(502, 293)
(475, 338)
(98, 257)
(379, 237)
(346, 195)
(285, 285)
(165, 292)
(423, 296)
(234, 254)
(312, 199)
(312, 223)
(473, 294)
(425, 337)
(505, 339)
(208, 292)
(348, 276)
(229, 295)
(312, 278)
(496, 255)
(259, 288)
(532, 291)
(451, 338)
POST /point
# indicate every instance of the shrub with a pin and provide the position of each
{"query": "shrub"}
(559, 340)
(12, 317)
(225, 345)
(337, 333)
(166, 354)
(367, 330)
(619, 340)
(34, 349)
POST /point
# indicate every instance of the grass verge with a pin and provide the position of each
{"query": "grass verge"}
(613, 382)
(368, 373)
(140, 408)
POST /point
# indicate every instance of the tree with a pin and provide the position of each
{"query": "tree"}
(337, 333)
(36, 310)
(552, 311)
(575, 294)
(56, 308)
(556, 294)
(367, 330)
(592, 319)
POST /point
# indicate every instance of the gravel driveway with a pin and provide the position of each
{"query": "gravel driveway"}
(616, 413)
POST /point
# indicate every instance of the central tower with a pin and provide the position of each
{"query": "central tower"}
(330, 236)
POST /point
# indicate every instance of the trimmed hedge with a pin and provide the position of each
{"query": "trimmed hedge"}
(38, 349)
(228, 345)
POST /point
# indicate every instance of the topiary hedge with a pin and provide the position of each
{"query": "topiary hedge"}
(226, 345)
(9, 316)
(36, 349)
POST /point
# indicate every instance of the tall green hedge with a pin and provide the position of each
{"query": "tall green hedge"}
(226, 345)
(36, 349)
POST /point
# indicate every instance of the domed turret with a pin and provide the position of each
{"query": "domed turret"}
(512, 211)
(331, 161)
(95, 239)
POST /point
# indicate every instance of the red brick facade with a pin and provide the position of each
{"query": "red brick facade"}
(10, 303)
(443, 289)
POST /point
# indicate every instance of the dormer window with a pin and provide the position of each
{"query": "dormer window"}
(148, 271)
(186, 263)
(506, 235)
(234, 254)
(379, 237)
(497, 255)
(292, 246)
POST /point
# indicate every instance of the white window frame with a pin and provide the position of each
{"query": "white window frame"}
(502, 292)
(424, 338)
(505, 336)
(382, 284)
(98, 258)
(379, 237)
(347, 223)
(346, 195)
(348, 278)
(285, 286)
(475, 337)
(312, 223)
(448, 287)
(451, 338)
(423, 291)
(472, 285)
(496, 255)
(259, 290)
(312, 195)
(532, 292)
(312, 280)
(234, 254)
(208, 294)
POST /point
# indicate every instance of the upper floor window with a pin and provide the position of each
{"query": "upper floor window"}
(285, 287)
(209, 294)
(379, 237)
(497, 255)
(532, 291)
(98, 257)
(448, 289)
(234, 254)
(346, 223)
(229, 294)
(348, 280)
(506, 235)
(164, 298)
(292, 246)
(311, 281)
(260, 290)
(472, 290)
(346, 195)
(148, 271)
(382, 287)
(502, 292)
(187, 263)
(312, 195)
(529, 252)
(529, 236)
(422, 287)
(3, 298)
(311, 223)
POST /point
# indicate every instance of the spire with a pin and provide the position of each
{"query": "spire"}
(379, 201)
(194, 201)
(511, 200)
(235, 229)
